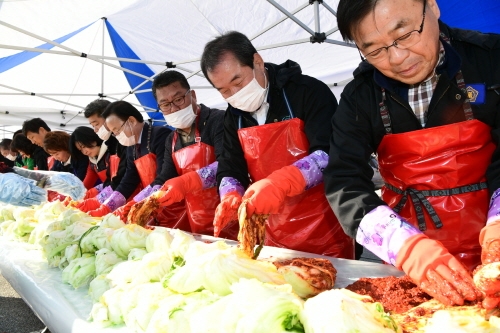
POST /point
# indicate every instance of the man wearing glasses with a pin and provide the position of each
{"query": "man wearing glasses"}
(187, 179)
(423, 99)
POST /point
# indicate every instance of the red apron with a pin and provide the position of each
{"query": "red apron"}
(101, 174)
(431, 181)
(114, 162)
(50, 162)
(305, 222)
(173, 216)
(200, 205)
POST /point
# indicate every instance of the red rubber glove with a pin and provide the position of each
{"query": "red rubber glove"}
(177, 188)
(101, 211)
(429, 264)
(489, 238)
(122, 212)
(91, 193)
(53, 196)
(88, 205)
(226, 211)
(267, 195)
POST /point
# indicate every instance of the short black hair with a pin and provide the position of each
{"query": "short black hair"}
(84, 135)
(350, 13)
(6, 144)
(122, 110)
(167, 78)
(33, 126)
(234, 42)
(96, 107)
(22, 144)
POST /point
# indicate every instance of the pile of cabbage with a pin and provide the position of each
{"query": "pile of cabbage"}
(165, 280)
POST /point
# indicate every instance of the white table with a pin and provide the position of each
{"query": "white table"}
(65, 310)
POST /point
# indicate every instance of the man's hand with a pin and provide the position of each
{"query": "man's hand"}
(226, 211)
(436, 271)
(176, 188)
(267, 195)
(101, 211)
(88, 205)
(122, 212)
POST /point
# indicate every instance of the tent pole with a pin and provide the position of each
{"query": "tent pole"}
(81, 54)
(293, 42)
(331, 31)
(316, 16)
(293, 18)
(135, 104)
(41, 96)
(269, 27)
(330, 9)
(336, 42)
(102, 64)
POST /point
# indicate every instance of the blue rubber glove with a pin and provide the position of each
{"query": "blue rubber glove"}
(19, 191)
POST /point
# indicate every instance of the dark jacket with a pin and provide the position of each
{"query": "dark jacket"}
(40, 156)
(131, 178)
(6, 161)
(114, 148)
(211, 127)
(358, 128)
(310, 99)
(78, 166)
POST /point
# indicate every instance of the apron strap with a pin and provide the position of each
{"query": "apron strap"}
(150, 130)
(384, 113)
(419, 200)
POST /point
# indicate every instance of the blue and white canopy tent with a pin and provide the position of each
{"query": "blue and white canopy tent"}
(58, 55)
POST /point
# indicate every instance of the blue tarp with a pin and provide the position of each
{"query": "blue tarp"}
(122, 50)
(481, 15)
(14, 60)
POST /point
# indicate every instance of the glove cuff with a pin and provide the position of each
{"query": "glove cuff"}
(146, 192)
(192, 182)
(383, 232)
(115, 200)
(289, 179)
(104, 194)
(312, 167)
(230, 184)
(208, 175)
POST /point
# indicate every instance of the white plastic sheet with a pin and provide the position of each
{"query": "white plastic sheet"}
(64, 309)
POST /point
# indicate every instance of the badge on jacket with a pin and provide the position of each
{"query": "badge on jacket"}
(476, 93)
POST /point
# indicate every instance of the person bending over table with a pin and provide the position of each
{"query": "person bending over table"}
(424, 100)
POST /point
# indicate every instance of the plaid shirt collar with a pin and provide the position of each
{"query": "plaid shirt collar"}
(420, 95)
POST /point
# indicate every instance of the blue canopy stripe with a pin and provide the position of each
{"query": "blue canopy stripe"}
(480, 15)
(122, 50)
(14, 60)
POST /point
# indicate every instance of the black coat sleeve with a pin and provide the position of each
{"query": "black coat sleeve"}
(347, 177)
(212, 130)
(314, 103)
(159, 138)
(80, 167)
(168, 169)
(131, 178)
(232, 161)
(40, 157)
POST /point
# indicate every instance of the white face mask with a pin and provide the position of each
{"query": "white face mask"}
(250, 97)
(103, 133)
(125, 140)
(11, 157)
(183, 118)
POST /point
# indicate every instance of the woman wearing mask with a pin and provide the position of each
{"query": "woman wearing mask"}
(189, 167)
(12, 155)
(145, 148)
(100, 153)
(27, 149)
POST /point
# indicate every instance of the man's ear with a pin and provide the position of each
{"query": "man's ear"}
(433, 6)
(258, 62)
